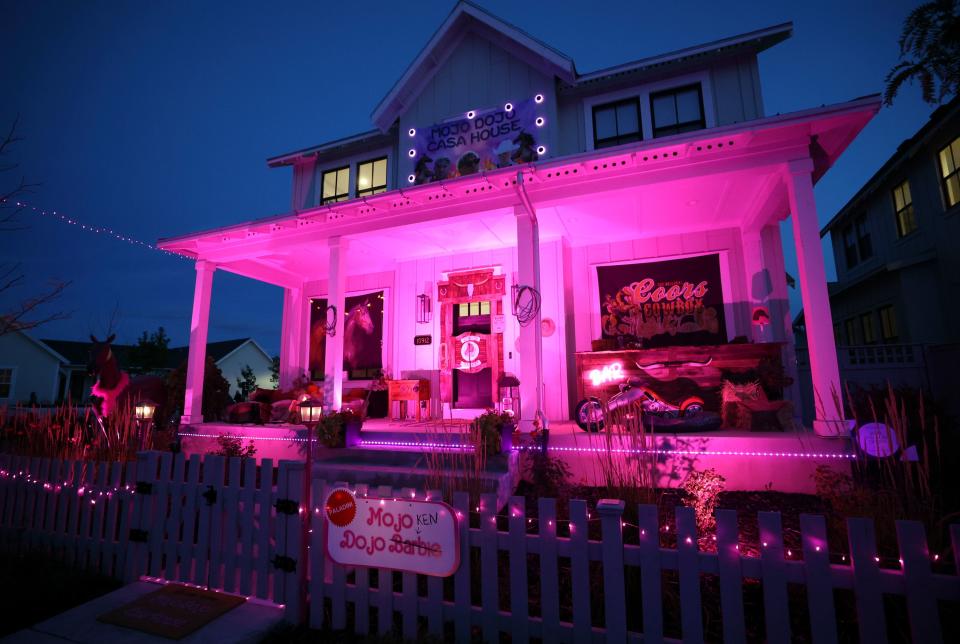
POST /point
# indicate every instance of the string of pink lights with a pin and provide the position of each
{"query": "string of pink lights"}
(100, 230)
(92, 493)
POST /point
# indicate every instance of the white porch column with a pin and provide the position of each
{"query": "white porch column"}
(333, 356)
(531, 335)
(197, 356)
(292, 337)
(827, 390)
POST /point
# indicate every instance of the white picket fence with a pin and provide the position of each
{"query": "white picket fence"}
(231, 525)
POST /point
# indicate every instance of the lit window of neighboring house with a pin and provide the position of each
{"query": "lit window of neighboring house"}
(950, 172)
(869, 328)
(372, 177)
(6, 382)
(903, 205)
(853, 331)
(677, 110)
(336, 185)
(616, 123)
(888, 324)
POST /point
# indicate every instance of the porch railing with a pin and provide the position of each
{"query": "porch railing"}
(217, 522)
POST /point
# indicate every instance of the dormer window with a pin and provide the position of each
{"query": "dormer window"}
(336, 185)
(616, 123)
(677, 110)
(372, 177)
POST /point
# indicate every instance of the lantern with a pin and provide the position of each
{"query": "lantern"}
(144, 410)
(508, 395)
(424, 309)
(310, 412)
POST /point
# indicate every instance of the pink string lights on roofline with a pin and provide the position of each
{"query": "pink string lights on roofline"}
(108, 232)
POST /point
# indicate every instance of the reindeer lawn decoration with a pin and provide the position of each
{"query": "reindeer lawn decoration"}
(114, 389)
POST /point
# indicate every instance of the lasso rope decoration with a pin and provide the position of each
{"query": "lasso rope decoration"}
(526, 312)
(330, 326)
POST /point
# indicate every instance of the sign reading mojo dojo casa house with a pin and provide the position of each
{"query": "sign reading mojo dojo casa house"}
(668, 303)
(414, 536)
(478, 141)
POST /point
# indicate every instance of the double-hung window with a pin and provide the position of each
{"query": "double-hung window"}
(869, 328)
(950, 172)
(857, 246)
(903, 205)
(336, 185)
(888, 324)
(6, 382)
(677, 110)
(372, 177)
(616, 123)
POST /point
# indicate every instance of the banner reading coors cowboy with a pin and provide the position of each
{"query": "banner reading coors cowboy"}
(478, 142)
(667, 303)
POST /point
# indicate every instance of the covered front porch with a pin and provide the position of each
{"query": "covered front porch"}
(541, 233)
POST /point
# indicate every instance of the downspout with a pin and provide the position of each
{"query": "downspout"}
(538, 329)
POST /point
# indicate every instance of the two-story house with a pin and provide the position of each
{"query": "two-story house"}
(508, 214)
(896, 301)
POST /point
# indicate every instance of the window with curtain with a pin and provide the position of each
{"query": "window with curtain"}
(903, 206)
(677, 110)
(888, 324)
(853, 331)
(950, 172)
(869, 328)
(336, 185)
(616, 123)
(372, 177)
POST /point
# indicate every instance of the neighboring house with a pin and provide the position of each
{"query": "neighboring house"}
(507, 211)
(896, 244)
(29, 369)
(56, 369)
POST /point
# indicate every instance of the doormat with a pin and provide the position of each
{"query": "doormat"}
(173, 612)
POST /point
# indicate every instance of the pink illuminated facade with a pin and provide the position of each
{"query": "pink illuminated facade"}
(501, 190)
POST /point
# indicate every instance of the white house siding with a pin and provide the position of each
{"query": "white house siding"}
(246, 354)
(35, 370)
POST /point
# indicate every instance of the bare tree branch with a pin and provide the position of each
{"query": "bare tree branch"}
(21, 318)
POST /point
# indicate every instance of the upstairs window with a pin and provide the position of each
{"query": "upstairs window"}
(336, 185)
(888, 324)
(950, 172)
(677, 110)
(864, 245)
(903, 206)
(372, 177)
(6, 382)
(869, 328)
(850, 247)
(616, 123)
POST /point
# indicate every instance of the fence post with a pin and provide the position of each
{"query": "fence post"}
(816, 561)
(866, 581)
(461, 580)
(772, 566)
(519, 606)
(614, 598)
(489, 591)
(549, 599)
(921, 604)
(688, 570)
(580, 570)
(731, 576)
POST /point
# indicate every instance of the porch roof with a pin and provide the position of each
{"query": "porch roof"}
(728, 176)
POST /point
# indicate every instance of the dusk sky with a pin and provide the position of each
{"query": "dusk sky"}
(156, 118)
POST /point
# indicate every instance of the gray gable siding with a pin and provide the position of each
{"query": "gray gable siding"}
(736, 90)
(477, 74)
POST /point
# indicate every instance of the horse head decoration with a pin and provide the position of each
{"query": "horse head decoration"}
(358, 323)
(113, 388)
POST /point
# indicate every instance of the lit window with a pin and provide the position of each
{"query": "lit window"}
(336, 185)
(903, 206)
(616, 123)
(464, 309)
(372, 177)
(485, 307)
(6, 382)
(869, 329)
(888, 323)
(853, 331)
(950, 172)
(677, 110)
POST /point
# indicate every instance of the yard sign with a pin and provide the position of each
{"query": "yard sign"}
(413, 536)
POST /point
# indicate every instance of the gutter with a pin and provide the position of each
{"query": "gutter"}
(538, 329)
